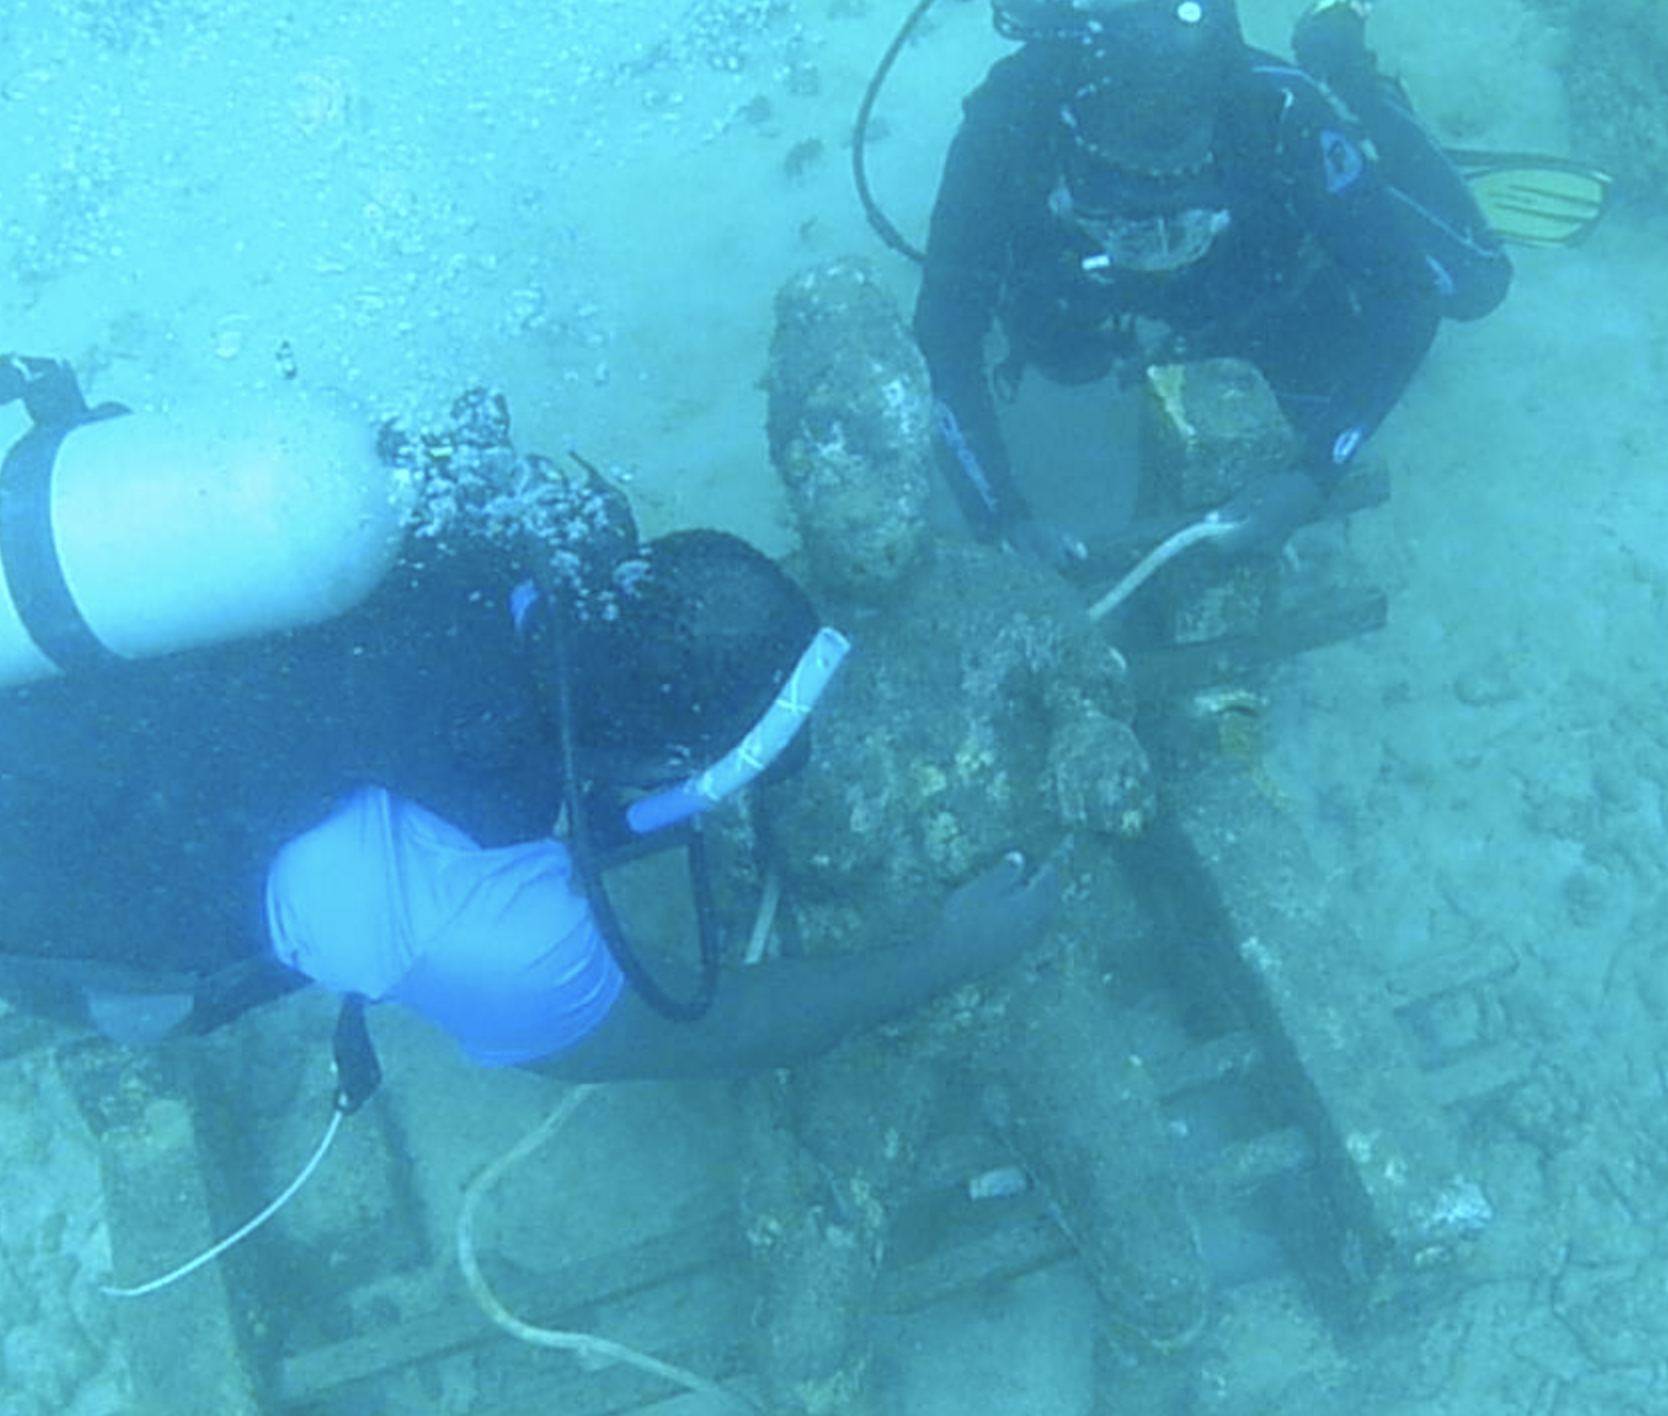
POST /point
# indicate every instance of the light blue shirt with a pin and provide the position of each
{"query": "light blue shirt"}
(387, 900)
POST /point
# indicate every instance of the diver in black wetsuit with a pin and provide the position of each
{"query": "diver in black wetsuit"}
(1137, 185)
(367, 801)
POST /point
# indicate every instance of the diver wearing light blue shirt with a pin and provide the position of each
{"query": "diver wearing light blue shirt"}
(387, 901)
(367, 804)
(515, 951)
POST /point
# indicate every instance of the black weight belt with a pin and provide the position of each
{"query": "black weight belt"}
(29, 551)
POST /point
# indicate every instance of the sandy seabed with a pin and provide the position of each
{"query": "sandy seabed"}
(591, 206)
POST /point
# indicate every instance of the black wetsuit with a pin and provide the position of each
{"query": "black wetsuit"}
(1331, 277)
(140, 807)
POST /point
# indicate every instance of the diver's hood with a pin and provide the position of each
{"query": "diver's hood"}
(1075, 19)
(1157, 72)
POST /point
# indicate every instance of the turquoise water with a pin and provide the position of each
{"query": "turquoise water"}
(592, 206)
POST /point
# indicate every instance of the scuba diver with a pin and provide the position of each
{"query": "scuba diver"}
(188, 836)
(1136, 186)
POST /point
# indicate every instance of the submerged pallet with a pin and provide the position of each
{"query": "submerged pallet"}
(1353, 1084)
(676, 1293)
(200, 1345)
(185, 1347)
(1261, 940)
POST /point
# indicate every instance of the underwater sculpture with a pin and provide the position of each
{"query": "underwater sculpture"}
(984, 711)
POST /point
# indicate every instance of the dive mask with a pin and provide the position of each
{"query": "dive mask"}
(1142, 238)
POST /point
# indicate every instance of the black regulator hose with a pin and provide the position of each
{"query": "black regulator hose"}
(358, 1072)
(860, 136)
(587, 866)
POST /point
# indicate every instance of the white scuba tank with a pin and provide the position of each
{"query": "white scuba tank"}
(147, 533)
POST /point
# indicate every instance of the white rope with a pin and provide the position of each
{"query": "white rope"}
(1207, 528)
(764, 919)
(209, 1255)
(581, 1344)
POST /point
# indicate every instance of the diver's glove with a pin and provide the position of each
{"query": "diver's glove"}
(1330, 42)
(1262, 515)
